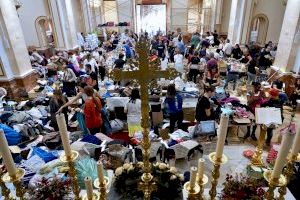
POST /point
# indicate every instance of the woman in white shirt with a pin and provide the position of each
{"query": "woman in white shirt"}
(90, 60)
(178, 59)
(133, 110)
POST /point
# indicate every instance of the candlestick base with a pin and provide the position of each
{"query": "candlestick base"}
(96, 196)
(64, 158)
(72, 171)
(257, 159)
(298, 157)
(17, 182)
(6, 178)
(103, 187)
(97, 183)
(216, 172)
(192, 192)
(268, 177)
(213, 159)
(201, 183)
(204, 180)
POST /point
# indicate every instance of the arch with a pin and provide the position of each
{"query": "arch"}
(259, 27)
(42, 26)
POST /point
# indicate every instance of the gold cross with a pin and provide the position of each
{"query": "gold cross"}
(144, 75)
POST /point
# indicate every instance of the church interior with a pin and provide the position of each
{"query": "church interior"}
(149, 99)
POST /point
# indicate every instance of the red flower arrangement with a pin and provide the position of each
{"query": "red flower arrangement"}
(51, 189)
(242, 187)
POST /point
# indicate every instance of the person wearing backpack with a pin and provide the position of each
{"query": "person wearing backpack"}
(92, 111)
(173, 107)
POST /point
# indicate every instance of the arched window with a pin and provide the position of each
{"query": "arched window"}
(44, 31)
(259, 29)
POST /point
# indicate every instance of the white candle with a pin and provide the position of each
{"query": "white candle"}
(61, 122)
(89, 187)
(100, 172)
(201, 162)
(193, 176)
(296, 145)
(6, 155)
(282, 155)
(222, 132)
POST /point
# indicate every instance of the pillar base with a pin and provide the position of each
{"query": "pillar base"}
(19, 87)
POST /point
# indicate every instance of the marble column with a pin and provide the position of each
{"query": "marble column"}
(219, 6)
(16, 74)
(21, 65)
(287, 41)
(86, 11)
(236, 20)
(64, 24)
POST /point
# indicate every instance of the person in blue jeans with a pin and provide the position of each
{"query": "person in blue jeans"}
(173, 107)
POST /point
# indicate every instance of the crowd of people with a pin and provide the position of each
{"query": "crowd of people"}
(81, 72)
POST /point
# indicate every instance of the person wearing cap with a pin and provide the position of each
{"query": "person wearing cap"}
(273, 101)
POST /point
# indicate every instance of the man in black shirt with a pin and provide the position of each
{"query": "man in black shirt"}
(119, 63)
(160, 49)
(93, 78)
(204, 110)
(115, 42)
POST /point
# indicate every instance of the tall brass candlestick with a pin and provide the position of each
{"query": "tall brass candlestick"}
(69, 155)
(192, 188)
(147, 71)
(275, 177)
(257, 157)
(14, 175)
(202, 179)
(288, 172)
(215, 173)
(72, 171)
(218, 158)
(294, 156)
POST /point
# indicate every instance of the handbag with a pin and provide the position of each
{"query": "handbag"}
(205, 128)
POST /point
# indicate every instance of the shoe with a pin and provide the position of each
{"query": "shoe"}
(253, 137)
(246, 136)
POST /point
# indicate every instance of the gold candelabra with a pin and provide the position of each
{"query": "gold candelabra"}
(102, 187)
(71, 161)
(5, 191)
(147, 71)
(257, 157)
(288, 172)
(216, 172)
(17, 182)
(273, 183)
(202, 182)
